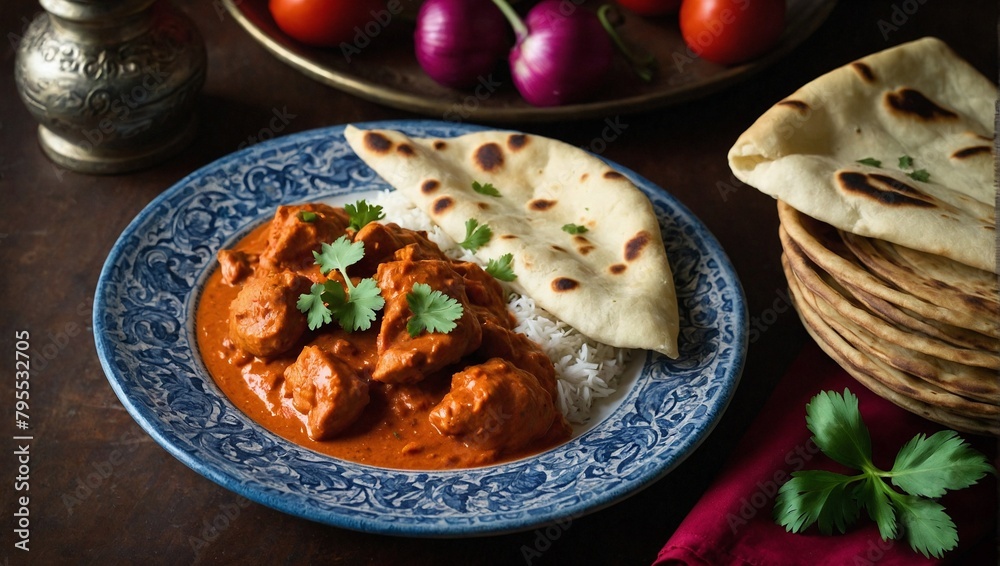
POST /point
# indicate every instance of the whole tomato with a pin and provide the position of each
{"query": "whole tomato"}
(651, 7)
(728, 32)
(325, 23)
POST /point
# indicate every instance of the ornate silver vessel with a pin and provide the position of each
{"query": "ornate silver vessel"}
(112, 83)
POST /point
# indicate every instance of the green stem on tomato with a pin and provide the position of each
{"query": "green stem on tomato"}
(642, 66)
(520, 29)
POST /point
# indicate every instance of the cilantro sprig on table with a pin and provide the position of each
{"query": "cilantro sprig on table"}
(354, 309)
(925, 468)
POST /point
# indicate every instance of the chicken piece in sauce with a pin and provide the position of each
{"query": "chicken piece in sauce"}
(495, 406)
(383, 241)
(501, 342)
(263, 319)
(485, 294)
(294, 236)
(236, 266)
(326, 390)
(406, 359)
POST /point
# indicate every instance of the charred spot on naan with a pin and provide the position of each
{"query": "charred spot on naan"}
(488, 157)
(613, 175)
(377, 142)
(541, 204)
(910, 102)
(617, 269)
(968, 152)
(559, 249)
(636, 244)
(583, 245)
(442, 205)
(584, 177)
(429, 186)
(882, 188)
(440, 145)
(405, 150)
(517, 141)
(864, 71)
(563, 284)
(796, 105)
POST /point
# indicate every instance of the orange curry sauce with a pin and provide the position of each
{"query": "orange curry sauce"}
(393, 430)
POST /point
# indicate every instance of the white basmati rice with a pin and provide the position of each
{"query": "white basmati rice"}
(586, 370)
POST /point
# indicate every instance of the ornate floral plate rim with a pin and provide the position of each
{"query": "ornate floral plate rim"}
(144, 333)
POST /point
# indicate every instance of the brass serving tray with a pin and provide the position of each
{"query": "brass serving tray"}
(380, 66)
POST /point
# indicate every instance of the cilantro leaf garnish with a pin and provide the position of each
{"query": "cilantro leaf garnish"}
(920, 175)
(432, 310)
(354, 309)
(502, 268)
(361, 213)
(313, 303)
(476, 236)
(307, 216)
(905, 162)
(925, 468)
(485, 189)
(574, 229)
(870, 161)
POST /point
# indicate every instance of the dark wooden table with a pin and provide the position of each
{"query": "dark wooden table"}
(102, 491)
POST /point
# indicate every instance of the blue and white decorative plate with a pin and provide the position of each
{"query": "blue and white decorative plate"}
(144, 328)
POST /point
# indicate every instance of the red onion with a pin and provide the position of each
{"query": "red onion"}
(562, 52)
(459, 41)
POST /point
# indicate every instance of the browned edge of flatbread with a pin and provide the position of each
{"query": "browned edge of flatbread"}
(825, 285)
(935, 279)
(861, 368)
(815, 239)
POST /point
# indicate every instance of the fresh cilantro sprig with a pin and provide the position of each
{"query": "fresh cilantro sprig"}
(925, 468)
(476, 235)
(574, 229)
(502, 268)
(432, 310)
(354, 309)
(485, 189)
(361, 213)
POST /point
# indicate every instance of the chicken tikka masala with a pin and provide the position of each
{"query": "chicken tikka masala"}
(384, 395)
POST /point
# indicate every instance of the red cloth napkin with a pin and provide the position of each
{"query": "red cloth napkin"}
(733, 524)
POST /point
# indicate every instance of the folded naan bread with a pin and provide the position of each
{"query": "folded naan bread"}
(612, 282)
(918, 100)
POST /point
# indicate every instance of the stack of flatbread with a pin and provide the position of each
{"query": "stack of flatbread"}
(884, 174)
